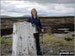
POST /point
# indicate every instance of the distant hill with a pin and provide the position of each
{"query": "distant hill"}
(4, 17)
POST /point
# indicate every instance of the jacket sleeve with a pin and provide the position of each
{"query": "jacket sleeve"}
(28, 20)
(40, 25)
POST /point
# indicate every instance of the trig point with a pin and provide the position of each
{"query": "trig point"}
(23, 40)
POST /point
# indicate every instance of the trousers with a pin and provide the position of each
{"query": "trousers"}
(37, 40)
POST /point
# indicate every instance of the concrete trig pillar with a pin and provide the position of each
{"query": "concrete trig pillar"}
(23, 40)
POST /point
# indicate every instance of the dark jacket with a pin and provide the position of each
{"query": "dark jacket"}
(35, 21)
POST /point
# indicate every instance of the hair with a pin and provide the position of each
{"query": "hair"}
(33, 9)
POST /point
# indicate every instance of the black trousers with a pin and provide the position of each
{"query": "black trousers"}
(36, 35)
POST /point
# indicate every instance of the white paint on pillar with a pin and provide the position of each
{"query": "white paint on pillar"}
(23, 39)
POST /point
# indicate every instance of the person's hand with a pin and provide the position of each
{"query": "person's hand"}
(42, 30)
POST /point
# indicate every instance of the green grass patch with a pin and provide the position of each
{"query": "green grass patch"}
(53, 40)
(5, 42)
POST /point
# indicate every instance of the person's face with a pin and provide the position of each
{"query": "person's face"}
(34, 13)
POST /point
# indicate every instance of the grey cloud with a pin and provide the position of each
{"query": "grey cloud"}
(54, 1)
(47, 1)
(11, 8)
(69, 3)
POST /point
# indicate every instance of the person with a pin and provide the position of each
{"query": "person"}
(34, 19)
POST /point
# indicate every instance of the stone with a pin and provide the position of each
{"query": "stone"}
(23, 39)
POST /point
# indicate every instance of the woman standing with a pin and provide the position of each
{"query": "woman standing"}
(36, 21)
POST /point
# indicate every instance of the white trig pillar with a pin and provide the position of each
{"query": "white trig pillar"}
(23, 40)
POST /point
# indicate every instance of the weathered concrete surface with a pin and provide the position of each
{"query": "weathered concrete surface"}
(23, 40)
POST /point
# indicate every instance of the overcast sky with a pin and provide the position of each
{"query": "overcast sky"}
(43, 7)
